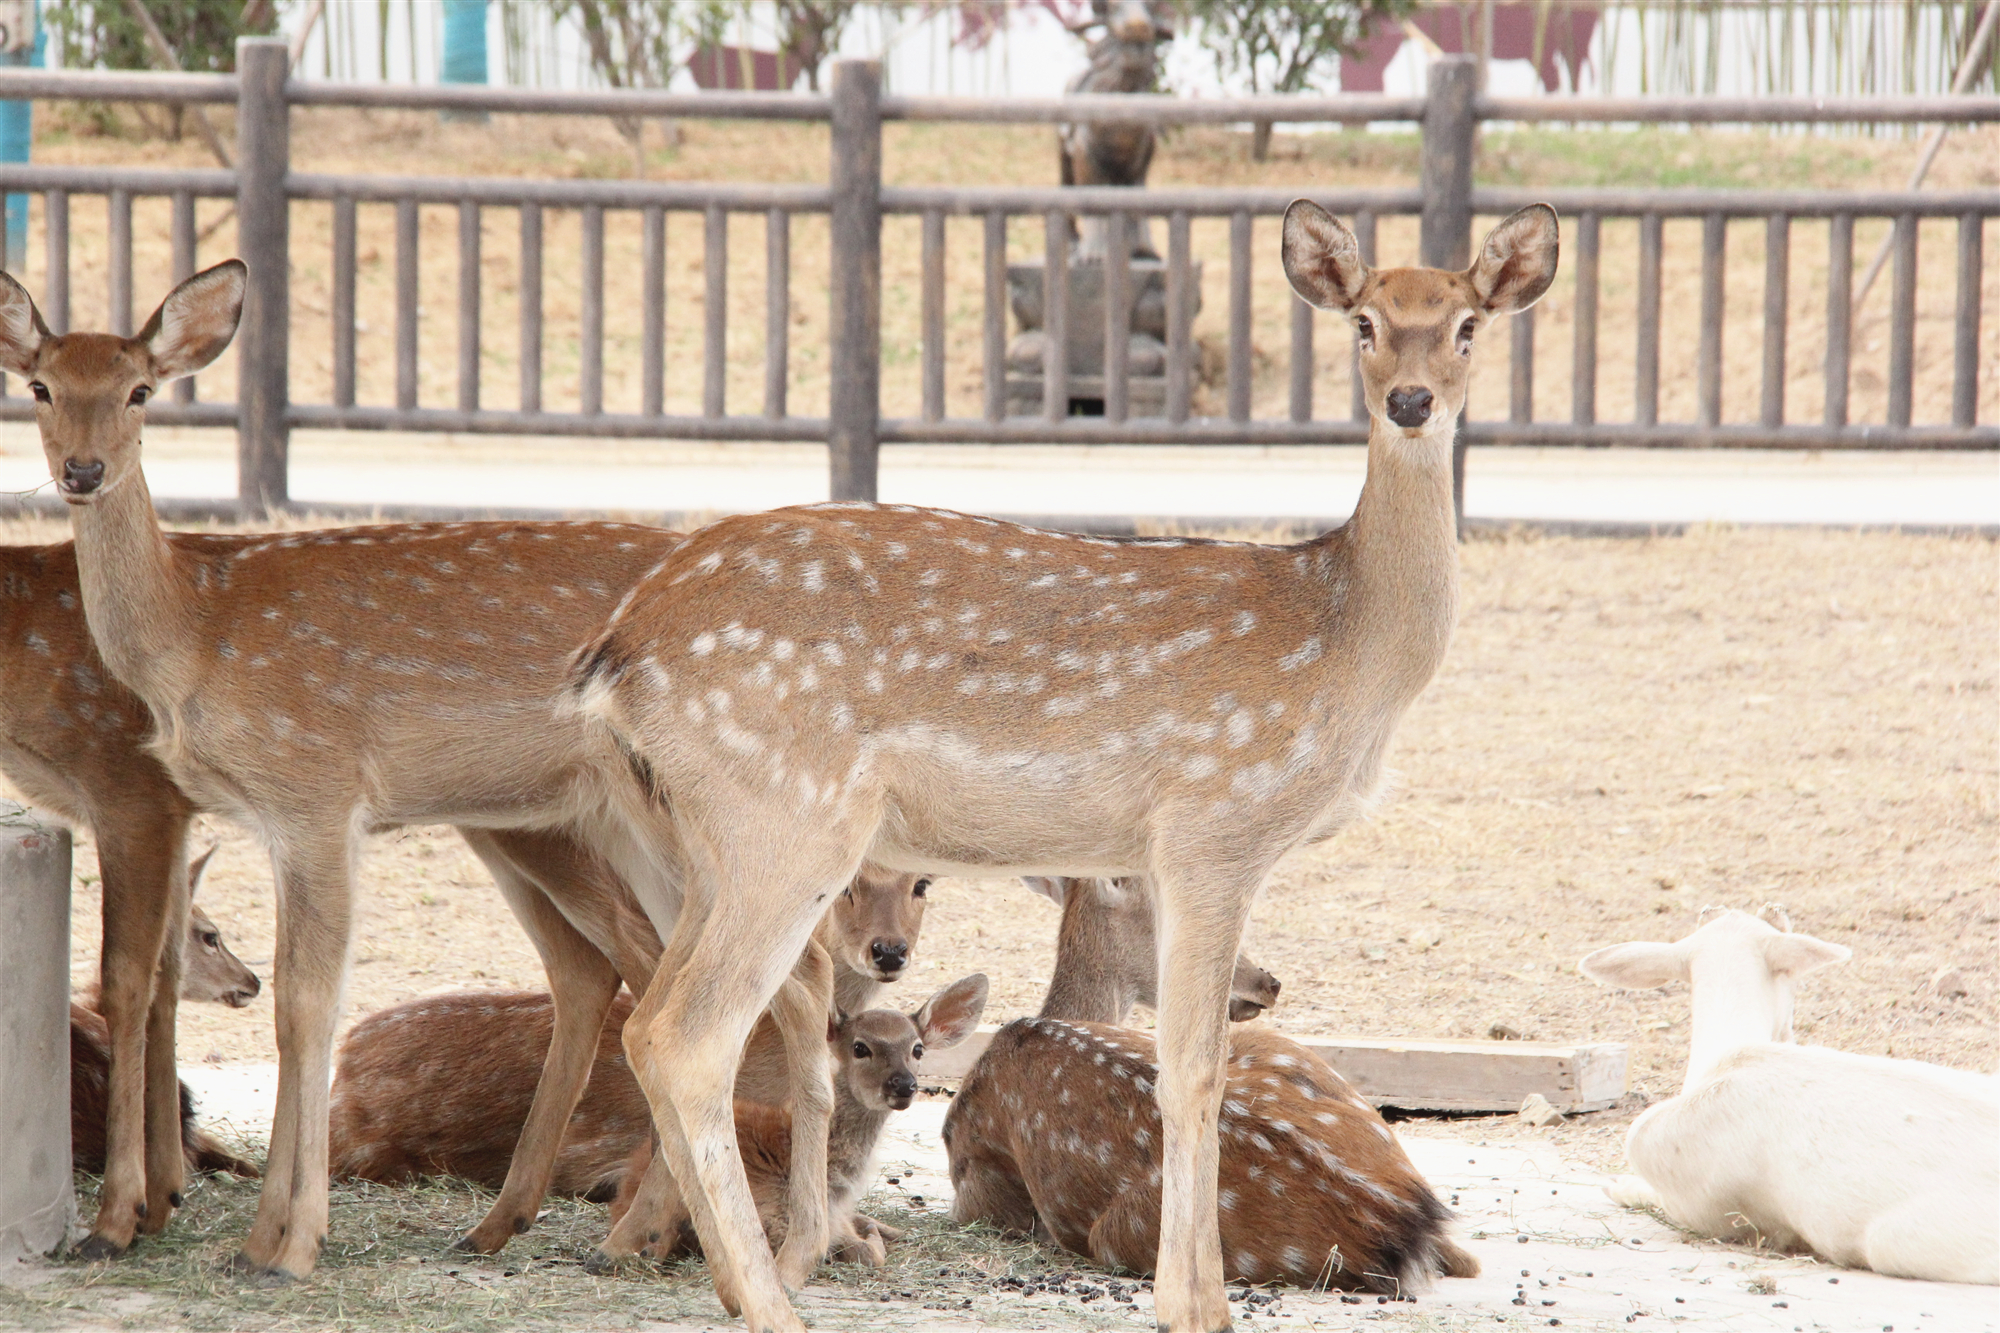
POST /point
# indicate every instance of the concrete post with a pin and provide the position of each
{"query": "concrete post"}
(1445, 237)
(37, 1201)
(263, 159)
(855, 406)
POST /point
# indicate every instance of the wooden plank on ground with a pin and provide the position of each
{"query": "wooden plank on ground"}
(1421, 1075)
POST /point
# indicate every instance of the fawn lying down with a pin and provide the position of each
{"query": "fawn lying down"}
(876, 1057)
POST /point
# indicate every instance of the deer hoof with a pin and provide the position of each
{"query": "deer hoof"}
(96, 1249)
(473, 1243)
(257, 1273)
(601, 1263)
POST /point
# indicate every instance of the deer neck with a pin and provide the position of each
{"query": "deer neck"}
(853, 992)
(135, 599)
(1728, 1011)
(850, 1144)
(1089, 984)
(1401, 567)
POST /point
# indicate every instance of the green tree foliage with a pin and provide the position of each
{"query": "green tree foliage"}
(1284, 46)
(104, 34)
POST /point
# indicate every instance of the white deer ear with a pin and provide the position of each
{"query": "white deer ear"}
(199, 867)
(1636, 966)
(196, 321)
(949, 1016)
(1322, 258)
(21, 328)
(1053, 887)
(1517, 261)
(1796, 955)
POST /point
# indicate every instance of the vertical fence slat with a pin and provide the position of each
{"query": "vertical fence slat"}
(1646, 371)
(653, 311)
(1521, 366)
(406, 303)
(1965, 324)
(854, 400)
(531, 307)
(777, 310)
(1180, 319)
(714, 311)
(119, 260)
(1903, 319)
(1839, 314)
(1583, 390)
(590, 351)
(993, 316)
(1777, 297)
(1239, 315)
(1118, 317)
(1708, 367)
(468, 306)
(183, 268)
(344, 256)
(1364, 236)
(933, 315)
(55, 223)
(1302, 359)
(1055, 315)
(263, 239)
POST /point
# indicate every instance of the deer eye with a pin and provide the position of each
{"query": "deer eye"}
(139, 396)
(211, 939)
(861, 1050)
(1366, 328)
(1465, 332)
(40, 390)
(917, 1051)
(923, 887)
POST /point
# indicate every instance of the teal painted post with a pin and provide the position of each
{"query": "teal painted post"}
(21, 43)
(464, 49)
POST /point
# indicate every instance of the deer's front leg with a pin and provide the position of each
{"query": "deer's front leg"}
(800, 1011)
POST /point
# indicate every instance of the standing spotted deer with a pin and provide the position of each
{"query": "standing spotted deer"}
(318, 686)
(799, 690)
(1055, 1130)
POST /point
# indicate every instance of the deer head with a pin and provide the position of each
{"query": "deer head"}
(877, 1053)
(91, 388)
(1416, 325)
(209, 971)
(875, 922)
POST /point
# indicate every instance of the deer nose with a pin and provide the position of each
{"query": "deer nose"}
(1409, 407)
(900, 1088)
(889, 955)
(82, 478)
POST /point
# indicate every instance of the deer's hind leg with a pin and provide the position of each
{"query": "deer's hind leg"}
(142, 858)
(582, 985)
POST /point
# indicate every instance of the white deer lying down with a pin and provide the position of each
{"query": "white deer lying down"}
(1869, 1162)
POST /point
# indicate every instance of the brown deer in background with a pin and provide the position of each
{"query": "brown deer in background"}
(839, 682)
(876, 1057)
(1055, 1131)
(1124, 60)
(210, 974)
(442, 1085)
(319, 685)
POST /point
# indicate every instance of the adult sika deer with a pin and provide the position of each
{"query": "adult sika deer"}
(320, 686)
(803, 689)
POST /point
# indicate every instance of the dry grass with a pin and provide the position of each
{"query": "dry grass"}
(416, 143)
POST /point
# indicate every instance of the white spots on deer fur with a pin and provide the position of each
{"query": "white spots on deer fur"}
(896, 550)
(1240, 728)
(1326, 1117)
(224, 648)
(37, 645)
(702, 644)
(812, 575)
(1042, 581)
(1295, 1259)
(1198, 767)
(1244, 622)
(802, 536)
(1309, 651)
(873, 680)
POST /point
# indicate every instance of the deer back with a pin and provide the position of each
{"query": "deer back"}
(1062, 1118)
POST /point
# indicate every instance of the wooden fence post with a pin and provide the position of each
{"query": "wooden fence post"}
(854, 407)
(37, 1200)
(1450, 138)
(263, 158)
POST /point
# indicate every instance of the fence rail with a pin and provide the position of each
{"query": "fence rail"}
(855, 204)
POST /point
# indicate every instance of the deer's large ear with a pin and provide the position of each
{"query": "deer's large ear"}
(1322, 258)
(1053, 887)
(1796, 955)
(949, 1016)
(21, 328)
(196, 321)
(198, 867)
(1517, 261)
(1636, 966)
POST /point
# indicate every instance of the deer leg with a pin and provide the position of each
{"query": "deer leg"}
(1127, 1234)
(314, 870)
(582, 985)
(659, 1211)
(800, 1012)
(166, 1153)
(138, 861)
(686, 1057)
(1201, 912)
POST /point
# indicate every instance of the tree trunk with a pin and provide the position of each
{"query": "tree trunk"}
(1260, 141)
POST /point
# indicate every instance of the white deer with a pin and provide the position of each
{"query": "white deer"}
(804, 689)
(1869, 1162)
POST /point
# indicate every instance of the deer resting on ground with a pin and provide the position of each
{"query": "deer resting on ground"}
(1868, 1162)
(1055, 1132)
(793, 692)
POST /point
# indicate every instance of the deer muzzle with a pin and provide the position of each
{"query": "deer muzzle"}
(1409, 407)
(890, 957)
(80, 479)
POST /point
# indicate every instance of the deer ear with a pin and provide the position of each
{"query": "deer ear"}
(199, 867)
(1796, 955)
(949, 1016)
(196, 321)
(21, 328)
(1517, 261)
(1052, 887)
(1637, 966)
(834, 1023)
(1322, 258)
